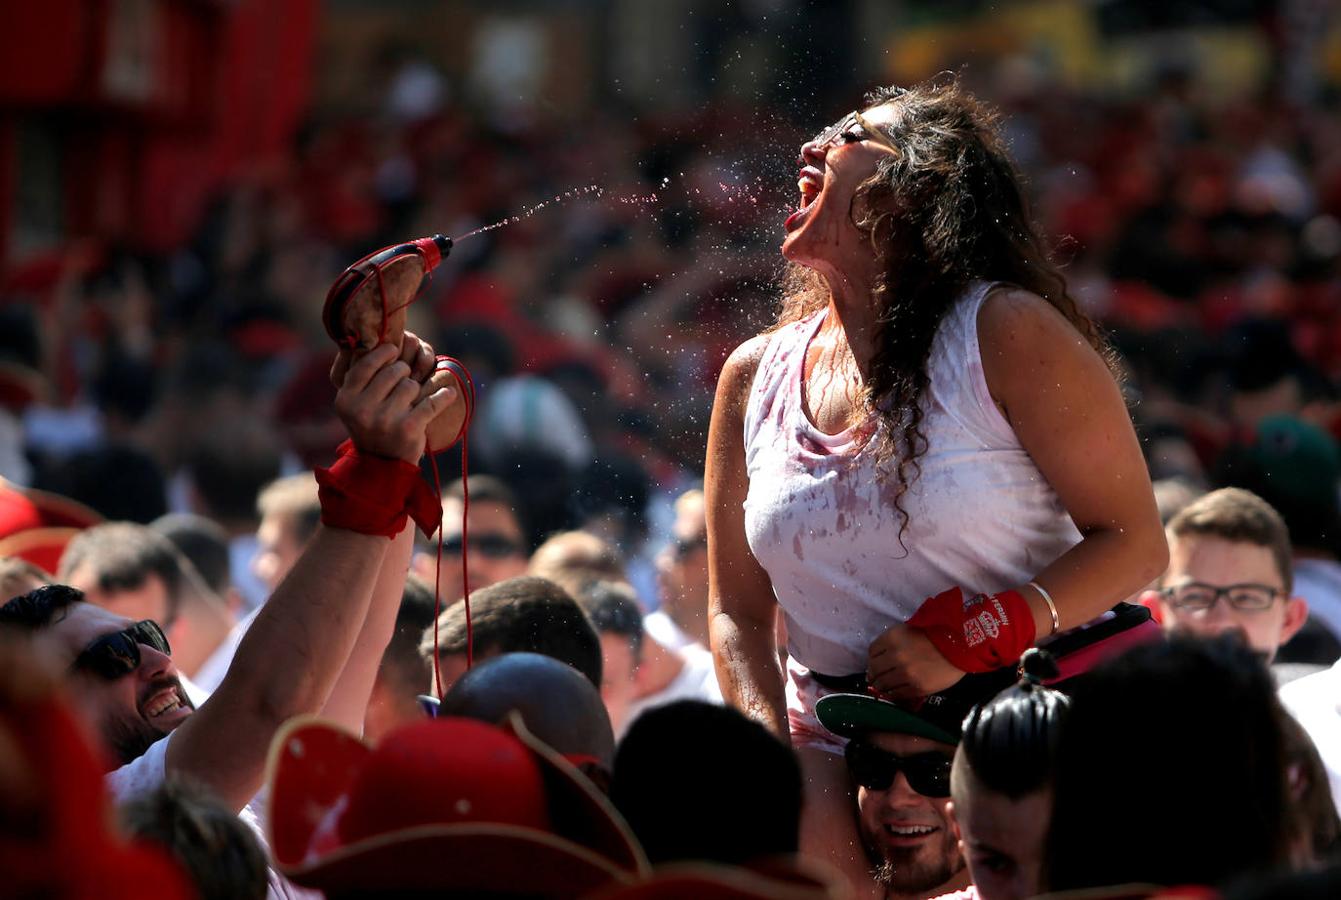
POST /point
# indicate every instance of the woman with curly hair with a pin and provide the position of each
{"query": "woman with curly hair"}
(926, 464)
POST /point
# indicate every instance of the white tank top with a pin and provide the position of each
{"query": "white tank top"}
(822, 525)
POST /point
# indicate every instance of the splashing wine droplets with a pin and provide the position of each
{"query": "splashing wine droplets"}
(514, 220)
(732, 193)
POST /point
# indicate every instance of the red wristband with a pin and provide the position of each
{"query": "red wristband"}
(980, 633)
(375, 495)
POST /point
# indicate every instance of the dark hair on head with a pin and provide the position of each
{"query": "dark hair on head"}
(231, 465)
(948, 209)
(215, 848)
(121, 482)
(615, 485)
(613, 608)
(16, 573)
(521, 615)
(663, 781)
(1317, 825)
(1239, 516)
(122, 555)
(483, 489)
(1180, 742)
(415, 614)
(37, 609)
(1010, 742)
(203, 542)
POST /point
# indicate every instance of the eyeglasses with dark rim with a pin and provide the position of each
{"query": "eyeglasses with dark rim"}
(874, 769)
(847, 128)
(491, 546)
(1197, 597)
(116, 655)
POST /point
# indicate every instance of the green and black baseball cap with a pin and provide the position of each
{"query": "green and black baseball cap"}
(939, 716)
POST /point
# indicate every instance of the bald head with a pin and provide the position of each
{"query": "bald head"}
(558, 704)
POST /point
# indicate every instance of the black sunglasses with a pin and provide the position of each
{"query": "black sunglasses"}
(685, 546)
(118, 654)
(874, 769)
(493, 546)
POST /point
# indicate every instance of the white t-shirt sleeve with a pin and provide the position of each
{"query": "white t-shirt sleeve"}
(140, 775)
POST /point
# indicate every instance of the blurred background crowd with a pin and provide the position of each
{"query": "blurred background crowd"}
(182, 180)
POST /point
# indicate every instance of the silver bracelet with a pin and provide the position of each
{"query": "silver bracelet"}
(1052, 607)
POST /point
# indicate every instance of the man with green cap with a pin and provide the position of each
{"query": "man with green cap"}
(899, 756)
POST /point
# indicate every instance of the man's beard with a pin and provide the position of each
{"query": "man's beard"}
(130, 737)
(919, 872)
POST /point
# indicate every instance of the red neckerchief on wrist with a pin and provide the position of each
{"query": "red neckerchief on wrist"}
(375, 495)
(980, 633)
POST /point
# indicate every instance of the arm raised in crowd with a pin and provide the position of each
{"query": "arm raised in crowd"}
(348, 702)
(295, 652)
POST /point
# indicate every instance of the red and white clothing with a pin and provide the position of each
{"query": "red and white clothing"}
(824, 526)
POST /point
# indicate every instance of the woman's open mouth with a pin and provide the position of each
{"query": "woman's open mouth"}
(810, 183)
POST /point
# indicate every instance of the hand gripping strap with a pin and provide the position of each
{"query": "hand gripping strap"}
(374, 495)
(977, 634)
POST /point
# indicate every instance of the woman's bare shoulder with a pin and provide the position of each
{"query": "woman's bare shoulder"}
(740, 367)
(1010, 314)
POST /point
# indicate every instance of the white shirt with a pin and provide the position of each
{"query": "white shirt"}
(824, 526)
(1315, 702)
(212, 671)
(697, 681)
(665, 632)
(147, 772)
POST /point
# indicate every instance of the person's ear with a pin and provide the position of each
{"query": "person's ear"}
(1296, 614)
(954, 823)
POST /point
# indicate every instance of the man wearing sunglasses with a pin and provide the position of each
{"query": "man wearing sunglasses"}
(497, 541)
(1230, 570)
(314, 647)
(682, 577)
(900, 762)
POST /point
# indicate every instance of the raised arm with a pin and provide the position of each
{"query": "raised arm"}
(741, 605)
(348, 701)
(299, 644)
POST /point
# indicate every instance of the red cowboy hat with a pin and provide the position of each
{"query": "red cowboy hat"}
(23, 508)
(43, 547)
(37, 525)
(441, 804)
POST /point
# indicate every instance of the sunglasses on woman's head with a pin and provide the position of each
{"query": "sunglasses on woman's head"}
(854, 127)
(115, 655)
(874, 769)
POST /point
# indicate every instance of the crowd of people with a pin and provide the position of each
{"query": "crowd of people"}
(955, 572)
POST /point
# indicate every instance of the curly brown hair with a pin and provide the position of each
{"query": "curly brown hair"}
(947, 210)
